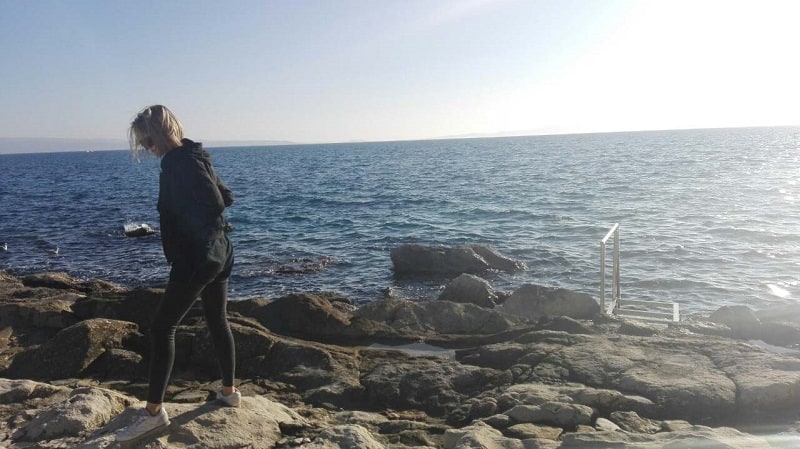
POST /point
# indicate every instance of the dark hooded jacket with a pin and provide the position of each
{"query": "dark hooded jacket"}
(191, 200)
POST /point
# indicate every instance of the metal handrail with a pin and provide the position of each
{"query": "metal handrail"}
(654, 310)
(614, 231)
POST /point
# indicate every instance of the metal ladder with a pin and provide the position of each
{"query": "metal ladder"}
(641, 310)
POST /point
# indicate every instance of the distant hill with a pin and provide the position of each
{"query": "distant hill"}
(52, 145)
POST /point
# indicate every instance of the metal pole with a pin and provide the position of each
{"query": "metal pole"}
(603, 276)
(616, 268)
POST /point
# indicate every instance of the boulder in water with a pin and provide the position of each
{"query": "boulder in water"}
(139, 230)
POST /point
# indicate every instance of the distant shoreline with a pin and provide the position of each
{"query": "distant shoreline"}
(29, 145)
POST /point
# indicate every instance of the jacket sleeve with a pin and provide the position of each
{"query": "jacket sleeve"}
(227, 195)
(203, 184)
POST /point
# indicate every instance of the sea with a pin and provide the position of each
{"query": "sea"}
(707, 218)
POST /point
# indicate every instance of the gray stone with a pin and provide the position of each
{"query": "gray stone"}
(535, 301)
(632, 422)
(71, 350)
(415, 260)
(471, 289)
(86, 410)
(604, 425)
(345, 436)
(526, 431)
(498, 261)
(567, 416)
(741, 319)
(479, 436)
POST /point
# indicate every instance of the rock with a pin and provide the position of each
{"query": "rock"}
(350, 436)
(632, 422)
(534, 301)
(605, 425)
(62, 281)
(637, 328)
(86, 410)
(30, 394)
(471, 289)
(71, 350)
(435, 386)
(565, 324)
(560, 414)
(741, 319)
(425, 260)
(694, 437)
(435, 317)
(47, 313)
(416, 260)
(292, 314)
(479, 436)
(764, 382)
(139, 230)
(561, 372)
(116, 363)
(525, 431)
(255, 424)
(137, 306)
(498, 261)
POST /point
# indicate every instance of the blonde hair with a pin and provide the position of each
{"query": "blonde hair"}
(158, 124)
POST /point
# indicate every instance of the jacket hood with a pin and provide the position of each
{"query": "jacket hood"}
(188, 148)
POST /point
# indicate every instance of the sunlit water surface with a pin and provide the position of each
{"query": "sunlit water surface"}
(707, 217)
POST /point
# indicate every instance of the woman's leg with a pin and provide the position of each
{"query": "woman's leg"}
(181, 292)
(215, 302)
(215, 299)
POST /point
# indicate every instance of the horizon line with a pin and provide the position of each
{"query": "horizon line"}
(232, 143)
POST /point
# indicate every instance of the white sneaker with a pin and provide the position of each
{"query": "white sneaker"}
(231, 400)
(143, 424)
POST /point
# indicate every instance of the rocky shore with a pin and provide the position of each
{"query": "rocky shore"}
(534, 368)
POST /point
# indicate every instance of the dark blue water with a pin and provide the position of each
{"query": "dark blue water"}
(707, 217)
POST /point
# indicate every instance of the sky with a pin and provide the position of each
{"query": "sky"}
(374, 70)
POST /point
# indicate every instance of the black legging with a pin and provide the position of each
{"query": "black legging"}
(208, 279)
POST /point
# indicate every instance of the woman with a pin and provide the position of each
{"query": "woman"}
(191, 200)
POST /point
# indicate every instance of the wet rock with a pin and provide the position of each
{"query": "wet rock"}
(470, 289)
(740, 319)
(425, 260)
(498, 261)
(139, 230)
(417, 260)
